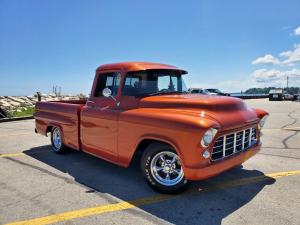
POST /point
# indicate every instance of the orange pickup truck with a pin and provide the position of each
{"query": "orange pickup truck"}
(143, 111)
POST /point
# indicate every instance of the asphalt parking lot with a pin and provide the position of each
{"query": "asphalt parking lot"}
(38, 186)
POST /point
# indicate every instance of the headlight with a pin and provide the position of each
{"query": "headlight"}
(208, 137)
(262, 121)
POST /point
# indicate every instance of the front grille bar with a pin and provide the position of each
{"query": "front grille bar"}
(250, 137)
(224, 145)
(243, 142)
(233, 143)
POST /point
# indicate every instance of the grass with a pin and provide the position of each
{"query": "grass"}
(28, 112)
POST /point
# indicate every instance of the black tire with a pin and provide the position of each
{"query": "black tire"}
(59, 149)
(149, 158)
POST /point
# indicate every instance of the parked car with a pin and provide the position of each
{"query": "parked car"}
(200, 91)
(217, 91)
(143, 111)
(288, 97)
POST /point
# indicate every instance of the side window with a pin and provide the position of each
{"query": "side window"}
(132, 85)
(108, 80)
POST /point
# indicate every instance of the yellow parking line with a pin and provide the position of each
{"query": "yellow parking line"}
(11, 155)
(145, 201)
(292, 128)
(22, 153)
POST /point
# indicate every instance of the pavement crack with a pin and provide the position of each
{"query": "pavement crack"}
(281, 156)
(285, 140)
(293, 118)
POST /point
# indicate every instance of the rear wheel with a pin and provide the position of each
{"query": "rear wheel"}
(57, 140)
(162, 169)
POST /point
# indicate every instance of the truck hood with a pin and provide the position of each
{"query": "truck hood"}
(229, 112)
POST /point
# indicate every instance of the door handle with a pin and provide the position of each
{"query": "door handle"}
(95, 107)
(92, 105)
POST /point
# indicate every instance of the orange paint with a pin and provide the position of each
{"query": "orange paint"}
(100, 127)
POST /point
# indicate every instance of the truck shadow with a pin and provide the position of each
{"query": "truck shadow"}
(219, 196)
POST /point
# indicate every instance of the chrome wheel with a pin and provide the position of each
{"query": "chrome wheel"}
(57, 139)
(166, 168)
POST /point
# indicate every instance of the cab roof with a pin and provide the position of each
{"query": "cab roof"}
(138, 66)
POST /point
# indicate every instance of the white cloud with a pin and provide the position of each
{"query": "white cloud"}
(285, 54)
(297, 31)
(274, 76)
(265, 76)
(259, 79)
(289, 58)
(292, 56)
(267, 59)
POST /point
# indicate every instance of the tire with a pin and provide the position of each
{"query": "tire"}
(162, 170)
(57, 141)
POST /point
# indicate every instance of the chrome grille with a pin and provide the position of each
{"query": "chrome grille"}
(233, 143)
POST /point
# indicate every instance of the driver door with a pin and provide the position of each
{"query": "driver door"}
(99, 118)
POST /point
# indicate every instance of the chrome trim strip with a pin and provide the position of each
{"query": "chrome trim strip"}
(250, 138)
(243, 142)
(234, 143)
(224, 145)
(217, 152)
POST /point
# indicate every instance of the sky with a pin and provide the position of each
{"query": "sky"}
(232, 45)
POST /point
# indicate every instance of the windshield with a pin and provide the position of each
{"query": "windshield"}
(153, 82)
(205, 91)
(214, 91)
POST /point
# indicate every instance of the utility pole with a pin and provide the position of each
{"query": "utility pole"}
(287, 84)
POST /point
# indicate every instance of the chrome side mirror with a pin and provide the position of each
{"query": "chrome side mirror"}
(106, 92)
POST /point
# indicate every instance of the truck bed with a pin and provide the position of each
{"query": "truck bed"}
(64, 114)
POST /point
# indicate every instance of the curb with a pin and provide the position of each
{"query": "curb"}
(15, 119)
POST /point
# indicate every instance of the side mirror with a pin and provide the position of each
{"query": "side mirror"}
(106, 92)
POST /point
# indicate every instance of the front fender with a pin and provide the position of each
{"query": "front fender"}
(260, 113)
(182, 132)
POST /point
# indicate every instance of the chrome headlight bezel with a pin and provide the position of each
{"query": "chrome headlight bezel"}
(208, 137)
(262, 122)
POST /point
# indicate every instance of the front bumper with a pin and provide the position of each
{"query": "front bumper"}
(218, 167)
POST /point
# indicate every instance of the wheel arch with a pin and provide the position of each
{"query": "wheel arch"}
(49, 129)
(51, 126)
(145, 141)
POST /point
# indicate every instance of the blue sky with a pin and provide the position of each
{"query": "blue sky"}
(230, 44)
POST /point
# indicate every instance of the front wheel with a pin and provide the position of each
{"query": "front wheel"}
(162, 169)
